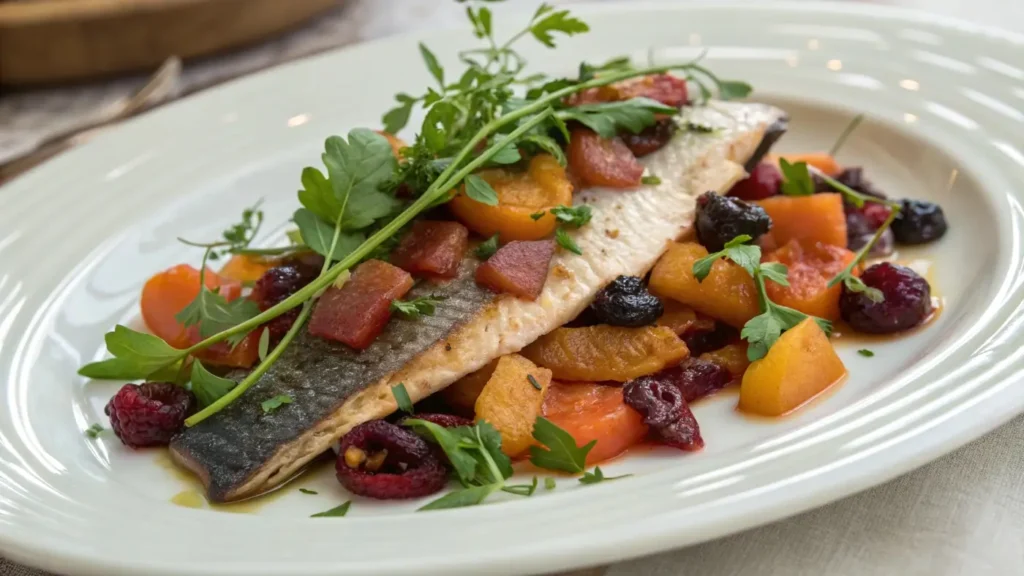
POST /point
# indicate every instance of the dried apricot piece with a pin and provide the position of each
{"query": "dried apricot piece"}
(521, 197)
(810, 267)
(462, 394)
(599, 353)
(512, 399)
(727, 293)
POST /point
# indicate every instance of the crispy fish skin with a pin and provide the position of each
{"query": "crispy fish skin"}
(241, 452)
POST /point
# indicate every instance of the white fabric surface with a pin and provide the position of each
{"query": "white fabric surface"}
(961, 515)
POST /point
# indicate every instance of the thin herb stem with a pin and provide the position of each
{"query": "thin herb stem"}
(846, 134)
(863, 252)
(444, 183)
(855, 197)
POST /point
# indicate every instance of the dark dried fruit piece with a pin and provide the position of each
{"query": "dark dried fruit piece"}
(906, 303)
(659, 402)
(598, 161)
(626, 302)
(919, 222)
(765, 180)
(860, 230)
(696, 378)
(443, 420)
(380, 460)
(722, 218)
(699, 341)
(281, 282)
(683, 433)
(650, 139)
(149, 414)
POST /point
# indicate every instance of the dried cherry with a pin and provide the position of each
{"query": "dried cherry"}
(906, 300)
(919, 222)
(764, 181)
(650, 139)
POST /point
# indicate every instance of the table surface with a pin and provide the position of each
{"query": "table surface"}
(962, 514)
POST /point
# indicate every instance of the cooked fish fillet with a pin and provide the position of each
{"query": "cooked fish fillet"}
(241, 452)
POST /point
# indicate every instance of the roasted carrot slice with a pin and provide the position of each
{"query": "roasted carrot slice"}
(167, 293)
(809, 219)
(591, 412)
(524, 205)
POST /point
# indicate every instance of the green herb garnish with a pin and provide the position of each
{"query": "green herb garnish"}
(598, 476)
(537, 215)
(264, 345)
(549, 483)
(761, 331)
(559, 451)
(565, 241)
(94, 431)
(853, 283)
(846, 134)
(308, 491)
(402, 398)
(575, 216)
(522, 489)
(533, 382)
(336, 512)
(796, 178)
(271, 404)
(865, 353)
(487, 248)
(207, 386)
(651, 180)
(422, 306)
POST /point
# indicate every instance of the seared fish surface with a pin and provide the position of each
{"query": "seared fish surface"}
(241, 452)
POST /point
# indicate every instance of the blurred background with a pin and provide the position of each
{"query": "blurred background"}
(70, 65)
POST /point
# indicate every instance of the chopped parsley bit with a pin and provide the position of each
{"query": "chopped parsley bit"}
(94, 431)
(549, 483)
(308, 491)
(598, 476)
(487, 248)
(271, 404)
(537, 215)
(533, 382)
(576, 216)
(651, 180)
(702, 128)
(423, 306)
(522, 489)
(865, 353)
(336, 512)
(402, 397)
(796, 178)
(560, 451)
(566, 241)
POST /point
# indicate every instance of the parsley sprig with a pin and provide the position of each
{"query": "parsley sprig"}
(417, 307)
(763, 330)
(348, 214)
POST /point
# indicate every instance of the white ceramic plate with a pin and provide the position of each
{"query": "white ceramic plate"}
(79, 236)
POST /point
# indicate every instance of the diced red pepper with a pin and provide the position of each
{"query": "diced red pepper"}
(432, 248)
(601, 161)
(356, 313)
(518, 268)
(223, 354)
(665, 88)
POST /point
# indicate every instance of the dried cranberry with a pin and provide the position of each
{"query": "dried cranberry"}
(906, 300)
(764, 181)
(277, 284)
(149, 414)
(876, 214)
(663, 399)
(658, 401)
(701, 341)
(380, 460)
(860, 231)
(919, 222)
(443, 420)
(722, 218)
(696, 378)
(650, 139)
(626, 302)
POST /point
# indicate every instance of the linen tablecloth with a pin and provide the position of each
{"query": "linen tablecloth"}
(961, 515)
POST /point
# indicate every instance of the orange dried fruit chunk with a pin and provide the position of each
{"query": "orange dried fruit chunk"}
(462, 394)
(727, 293)
(602, 352)
(590, 412)
(512, 399)
(732, 357)
(810, 267)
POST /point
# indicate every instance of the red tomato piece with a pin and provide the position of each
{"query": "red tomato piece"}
(519, 268)
(356, 313)
(167, 293)
(432, 249)
(603, 161)
(665, 88)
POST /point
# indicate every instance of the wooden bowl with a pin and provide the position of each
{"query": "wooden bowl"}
(46, 41)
